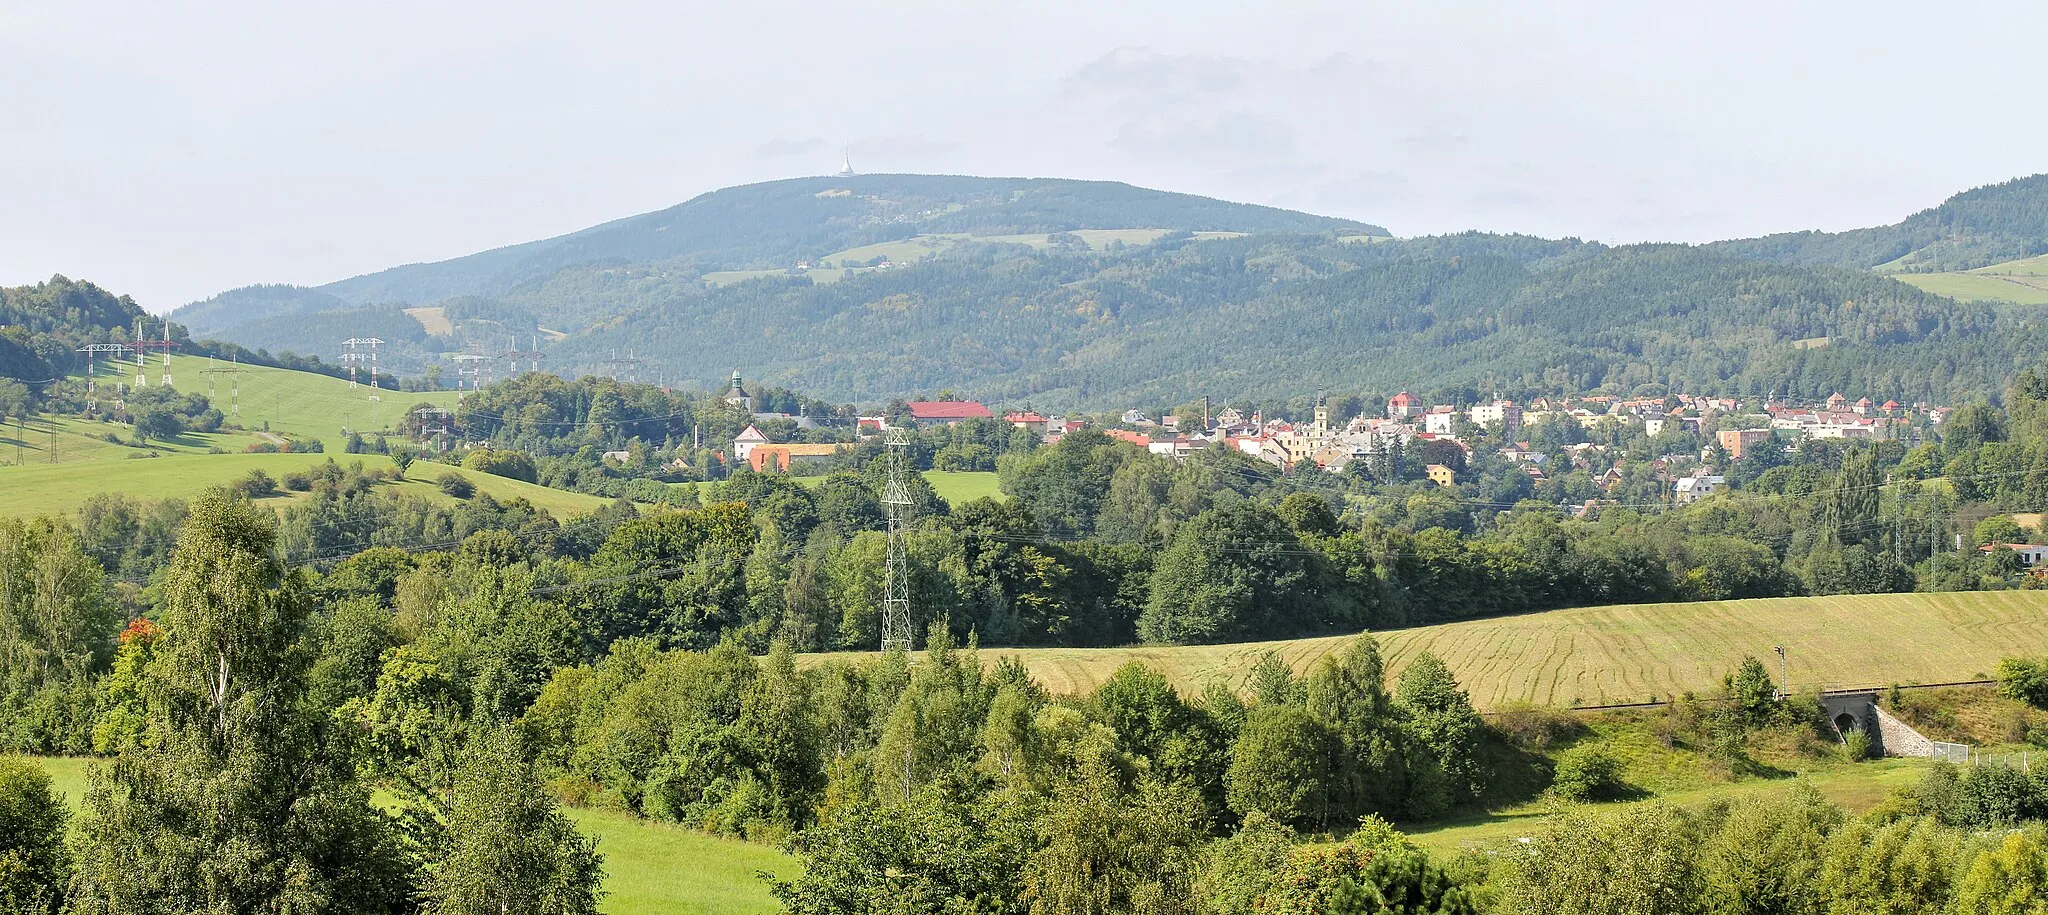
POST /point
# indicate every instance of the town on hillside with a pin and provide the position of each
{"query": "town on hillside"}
(1699, 435)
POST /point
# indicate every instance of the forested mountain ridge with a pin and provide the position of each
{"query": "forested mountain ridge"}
(992, 293)
(1976, 228)
(1276, 316)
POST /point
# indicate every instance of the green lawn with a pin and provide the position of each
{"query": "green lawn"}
(1631, 652)
(36, 489)
(650, 868)
(962, 487)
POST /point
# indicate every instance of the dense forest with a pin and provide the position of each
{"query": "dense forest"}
(1975, 228)
(1298, 303)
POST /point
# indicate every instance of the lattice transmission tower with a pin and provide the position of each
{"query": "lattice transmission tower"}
(896, 629)
(356, 352)
(234, 371)
(92, 353)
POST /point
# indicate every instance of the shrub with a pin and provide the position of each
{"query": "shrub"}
(2024, 680)
(1856, 746)
(1587, 773)
(1993, 795)
(457, 485)
(517, 465)
(298, 481)
(256, 485)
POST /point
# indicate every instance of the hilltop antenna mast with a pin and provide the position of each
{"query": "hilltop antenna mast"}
(846, 156)
(896, 631)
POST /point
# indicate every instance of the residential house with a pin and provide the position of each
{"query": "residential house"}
(1027, 419)
(745, 443)
(1441, 475)
(1699, 486)
(2031, 554)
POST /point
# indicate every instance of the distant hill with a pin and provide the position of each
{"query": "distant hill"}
(779, 222)
(1976, 228)
(1076, 294)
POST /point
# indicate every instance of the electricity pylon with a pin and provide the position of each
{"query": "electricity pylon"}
(896, 631)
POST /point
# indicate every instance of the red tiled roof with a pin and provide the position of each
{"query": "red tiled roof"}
(948, 409)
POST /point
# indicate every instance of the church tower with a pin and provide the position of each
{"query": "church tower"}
(738, 395)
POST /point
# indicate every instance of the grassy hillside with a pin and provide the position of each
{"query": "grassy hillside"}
(650, 868)
(1631, 652)
(2021, 282)
(36, 489)
(299, 403)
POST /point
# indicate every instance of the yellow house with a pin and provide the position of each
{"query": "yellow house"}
(1442, 476)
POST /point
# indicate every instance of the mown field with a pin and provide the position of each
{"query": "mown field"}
(2021, 282)
(41, 489)
(650, 868)
(1633, 652)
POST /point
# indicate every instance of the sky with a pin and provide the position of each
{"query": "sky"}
(173, 151)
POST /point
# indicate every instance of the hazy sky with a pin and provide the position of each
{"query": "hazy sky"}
(172, 151)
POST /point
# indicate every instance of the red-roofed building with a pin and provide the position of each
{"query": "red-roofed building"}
(1404, 406)
(947, 411)
(1026, 420)
(1139, 439)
